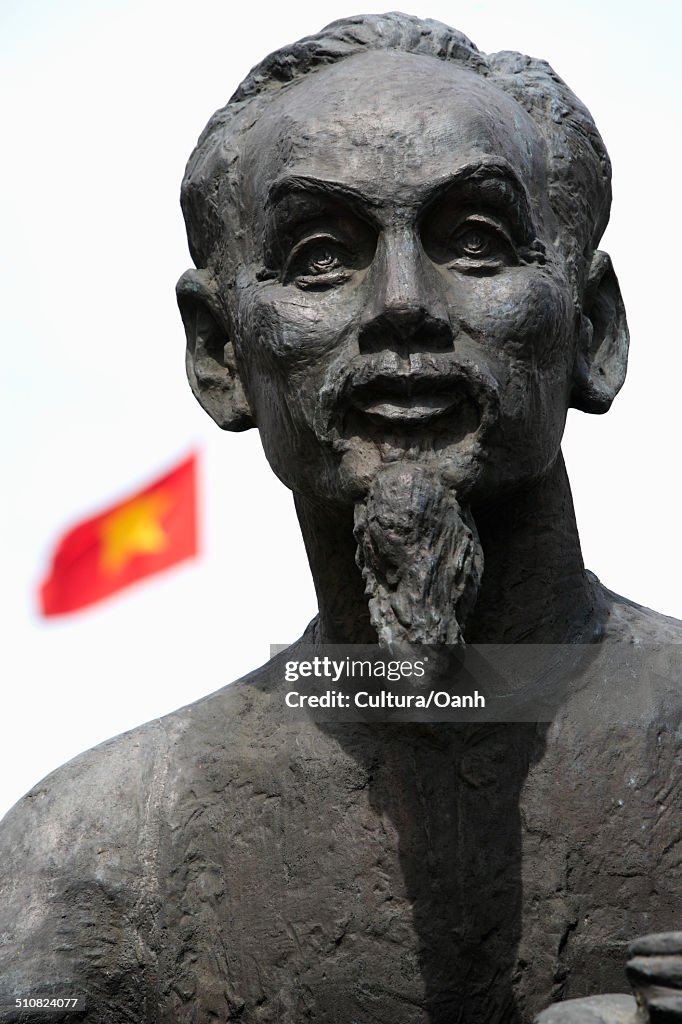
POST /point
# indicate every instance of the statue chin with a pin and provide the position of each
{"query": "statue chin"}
(361, 461)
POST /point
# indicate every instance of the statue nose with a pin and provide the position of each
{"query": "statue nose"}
(406, 312)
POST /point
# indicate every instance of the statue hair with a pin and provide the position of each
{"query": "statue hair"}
(579, 170)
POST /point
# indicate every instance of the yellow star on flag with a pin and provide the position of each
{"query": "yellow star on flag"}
(133, 529)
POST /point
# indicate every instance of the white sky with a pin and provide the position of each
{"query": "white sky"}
(104, 102)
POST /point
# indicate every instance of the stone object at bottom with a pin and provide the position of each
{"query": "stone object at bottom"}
(655, 972)
(611, 1009)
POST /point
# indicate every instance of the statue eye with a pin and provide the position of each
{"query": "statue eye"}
(470, 243)
(482, 242)
(321, 260)
(475, 242)
(318, 263)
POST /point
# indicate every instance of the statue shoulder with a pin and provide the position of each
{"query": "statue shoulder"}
(64, 813)
(631, 622)
(82, 853)
(75, 867)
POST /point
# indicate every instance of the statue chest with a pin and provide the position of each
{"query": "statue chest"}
(408, 875)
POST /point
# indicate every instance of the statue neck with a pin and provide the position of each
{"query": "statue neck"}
(534, 590)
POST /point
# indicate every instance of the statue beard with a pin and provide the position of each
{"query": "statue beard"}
(420, 557)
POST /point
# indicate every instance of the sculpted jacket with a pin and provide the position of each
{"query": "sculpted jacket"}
(229, 863)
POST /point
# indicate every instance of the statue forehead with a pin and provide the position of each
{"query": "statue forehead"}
(387, 119)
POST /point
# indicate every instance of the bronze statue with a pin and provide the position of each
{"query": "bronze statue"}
(398, 282)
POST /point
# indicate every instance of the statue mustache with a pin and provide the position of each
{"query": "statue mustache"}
(423, 373)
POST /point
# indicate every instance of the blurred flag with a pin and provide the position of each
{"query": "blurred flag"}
(147, 532)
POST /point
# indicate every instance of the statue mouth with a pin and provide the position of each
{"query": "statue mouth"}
(431, 403)
(412, 401)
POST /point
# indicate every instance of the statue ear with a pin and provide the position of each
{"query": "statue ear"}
(210, 360)
(602, 356)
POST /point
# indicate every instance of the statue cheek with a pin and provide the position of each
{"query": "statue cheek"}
(522, 313)
(289, 328)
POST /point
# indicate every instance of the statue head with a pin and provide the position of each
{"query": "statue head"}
(395, 238)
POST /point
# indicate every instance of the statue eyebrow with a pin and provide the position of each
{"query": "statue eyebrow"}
(489, 180)
(301, 183)
(481, 172)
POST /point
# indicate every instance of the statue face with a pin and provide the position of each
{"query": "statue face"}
(399, 294)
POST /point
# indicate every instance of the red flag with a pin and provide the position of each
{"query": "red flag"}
(147, 532)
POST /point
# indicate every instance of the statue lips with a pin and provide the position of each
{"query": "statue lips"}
(413, 400)
(388, 397)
